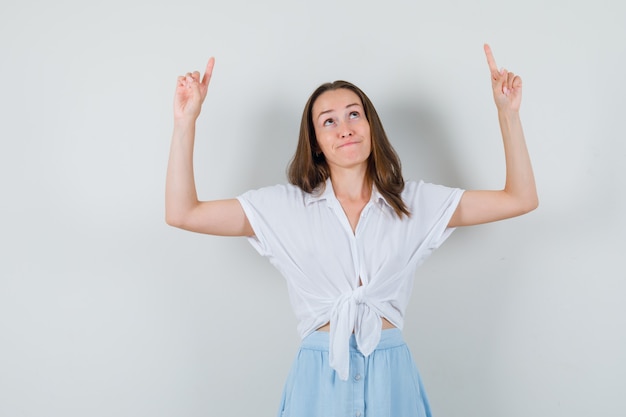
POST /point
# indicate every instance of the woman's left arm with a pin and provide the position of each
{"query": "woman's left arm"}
(519, 195)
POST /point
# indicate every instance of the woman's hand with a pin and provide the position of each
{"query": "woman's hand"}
(519, 195)
(191, 92)
(507, 87)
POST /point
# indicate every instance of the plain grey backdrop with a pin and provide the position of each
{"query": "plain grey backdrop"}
(106, 311)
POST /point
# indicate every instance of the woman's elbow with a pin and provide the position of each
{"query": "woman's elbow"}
(529, 204)
(174, 220)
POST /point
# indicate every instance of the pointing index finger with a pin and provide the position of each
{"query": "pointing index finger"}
(490, 60)
(208, 71)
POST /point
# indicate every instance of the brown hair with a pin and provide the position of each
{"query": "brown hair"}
(309, 170)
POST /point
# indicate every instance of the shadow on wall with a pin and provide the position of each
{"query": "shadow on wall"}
(274, 139)
(419, 136)
(416, 131)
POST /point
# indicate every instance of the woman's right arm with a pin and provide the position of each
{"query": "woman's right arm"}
(182, 208)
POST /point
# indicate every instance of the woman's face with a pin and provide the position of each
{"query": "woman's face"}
(341, 128)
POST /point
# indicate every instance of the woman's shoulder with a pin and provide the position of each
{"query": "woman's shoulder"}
(421, 190)
(275, 194)
(425, 186)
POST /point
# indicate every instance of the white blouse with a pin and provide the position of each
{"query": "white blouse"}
(308, 238)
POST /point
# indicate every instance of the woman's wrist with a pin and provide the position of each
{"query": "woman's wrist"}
(184, 122)
(508, 114)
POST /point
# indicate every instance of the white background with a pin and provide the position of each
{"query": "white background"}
(106, 311)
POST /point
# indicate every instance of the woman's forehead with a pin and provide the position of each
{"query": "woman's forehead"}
(335, 100)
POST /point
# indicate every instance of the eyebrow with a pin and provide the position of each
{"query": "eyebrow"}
(332, 110)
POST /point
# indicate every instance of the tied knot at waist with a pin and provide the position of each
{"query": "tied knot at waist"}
(358, 295)
(352, 312)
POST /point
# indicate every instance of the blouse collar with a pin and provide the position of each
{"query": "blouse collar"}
(328, 194)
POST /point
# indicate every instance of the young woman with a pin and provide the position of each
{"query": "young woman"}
(348, 233)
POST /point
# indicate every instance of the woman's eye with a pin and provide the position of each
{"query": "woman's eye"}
(354, 114)
(328, 122)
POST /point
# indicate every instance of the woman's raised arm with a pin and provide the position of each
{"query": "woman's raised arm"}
(519, 195)
(182, 208)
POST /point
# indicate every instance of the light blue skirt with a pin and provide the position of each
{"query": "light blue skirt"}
(384, 384)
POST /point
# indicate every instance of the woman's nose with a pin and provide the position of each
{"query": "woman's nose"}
(345, 131)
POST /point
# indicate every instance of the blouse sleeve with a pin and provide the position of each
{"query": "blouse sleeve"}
(271, 212)
(432, 207)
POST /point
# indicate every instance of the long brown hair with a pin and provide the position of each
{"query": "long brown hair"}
(309, 170)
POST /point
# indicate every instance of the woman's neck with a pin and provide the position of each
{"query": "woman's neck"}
(351, 185)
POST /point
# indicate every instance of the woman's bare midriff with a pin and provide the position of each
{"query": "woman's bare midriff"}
(386, 325)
